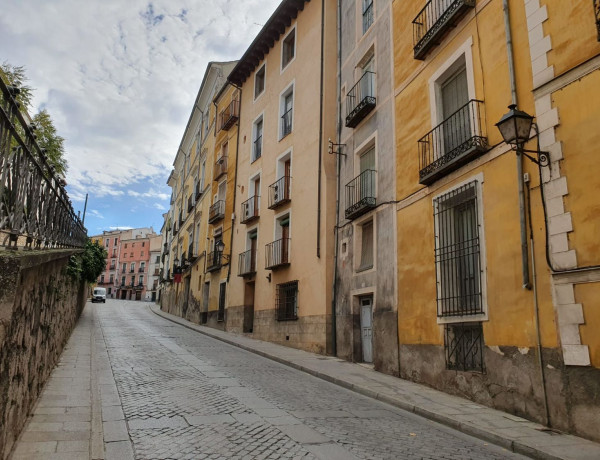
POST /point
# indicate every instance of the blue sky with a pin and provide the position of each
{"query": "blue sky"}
(119, 79)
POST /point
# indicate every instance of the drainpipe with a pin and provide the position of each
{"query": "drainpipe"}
(337, 192)
(513, 93)
(237, 147)
(320, 130)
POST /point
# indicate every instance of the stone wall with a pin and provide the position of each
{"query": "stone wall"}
(39, 305)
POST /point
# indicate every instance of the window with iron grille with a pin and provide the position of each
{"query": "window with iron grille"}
(463, 344)
(458, 253)
(221, 312)
(287, 301)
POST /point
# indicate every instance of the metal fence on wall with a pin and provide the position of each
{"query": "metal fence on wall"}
(35, 210)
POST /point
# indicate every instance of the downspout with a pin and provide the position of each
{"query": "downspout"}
(513, 93)
(337, 192)
(320, 130)
(237, 147)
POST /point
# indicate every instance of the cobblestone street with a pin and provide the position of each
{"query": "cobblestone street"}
(185, 395)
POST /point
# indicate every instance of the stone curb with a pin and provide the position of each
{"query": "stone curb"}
(464, 427)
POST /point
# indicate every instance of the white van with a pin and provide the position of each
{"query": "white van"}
(99, 295)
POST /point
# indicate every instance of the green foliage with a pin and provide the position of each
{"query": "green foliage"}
(47, 137)
(49, 140)
(88, 265)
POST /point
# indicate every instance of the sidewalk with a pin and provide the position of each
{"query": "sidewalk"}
(511, 432)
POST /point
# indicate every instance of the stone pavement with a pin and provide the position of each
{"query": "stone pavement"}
(506, 430)
(132, 385)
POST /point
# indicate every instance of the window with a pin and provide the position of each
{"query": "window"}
(107, 242)
(133, 245)
(141, 280)
(457, 253)
(112, 278)
(124, 255)
(102, 279)
(288, 48)
(116, 240)
(122, 281)
(221, 312)
(367, 14)
(366, 248)
(361, 99)
(132, 267)
(142, 266)
(259, 81)
(157, 260)
(141, 253)
(286, 110)
(125, 245)
(287, 301)
(113, 264)
(257, 134)
(143, 243)
(463, 344)
(202, 173)
(114, 254)
(124, 267)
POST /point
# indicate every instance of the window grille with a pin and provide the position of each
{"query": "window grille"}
(367, 14)
(221, 312)
(457, 252)
(287, 301)
(463, 344)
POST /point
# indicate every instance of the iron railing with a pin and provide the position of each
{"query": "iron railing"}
(597, 14)
(257, 148)
(214, 260)
(368, 16)
(434, 20)
(360, 100)
(216, 212)
(453, 142)
(286, 122)
(277, 253)
(250, 209)
(247, 263)
(457, 253)
(220, 167)
(229, 115)
(35, 210)
(360, 194)
(279, 192)
(141, 269)
(287, 301)
(463, 346)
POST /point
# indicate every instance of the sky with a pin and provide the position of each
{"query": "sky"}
(119, 79)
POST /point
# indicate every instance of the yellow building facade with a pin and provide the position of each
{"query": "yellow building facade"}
(282, 252)
(481, 313)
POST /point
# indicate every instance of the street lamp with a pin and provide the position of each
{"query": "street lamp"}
(515, 126)
(220, 247)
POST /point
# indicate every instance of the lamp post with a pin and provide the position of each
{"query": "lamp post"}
(515, 127)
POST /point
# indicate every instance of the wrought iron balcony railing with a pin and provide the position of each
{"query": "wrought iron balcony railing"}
(277, 253)
(247, 263)
(250, 210)
(597, 14)
(435, 19)
(216, 212)
(360, 100)
(141, 269)
(33, 202)
(279, 192)
(367, 16)
(361, 194)
(229, 115)
(454, 142)
(220, 167)
(214, 260)
(286, 122)
(132, 270)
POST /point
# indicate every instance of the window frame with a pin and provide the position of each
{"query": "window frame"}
(290, 89)
(260, 118)
(283, 45)
(479, 189)
(262, 68)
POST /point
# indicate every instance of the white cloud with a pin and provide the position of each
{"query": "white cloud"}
(120, 227)
(160, 207)
(149, 194)
(96, 213)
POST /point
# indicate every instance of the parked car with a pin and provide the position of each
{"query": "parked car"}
(99, 295)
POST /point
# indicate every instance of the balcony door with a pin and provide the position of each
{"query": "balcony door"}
(287, 172)
(455, 111)
(285, 234)
(367, 163)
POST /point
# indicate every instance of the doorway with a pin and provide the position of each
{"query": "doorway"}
(138, 295)
(248, 325)
(366, 328)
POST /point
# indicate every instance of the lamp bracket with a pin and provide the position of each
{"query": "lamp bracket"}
(336, 148)
(543, 157)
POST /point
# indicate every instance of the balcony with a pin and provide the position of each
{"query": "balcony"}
(220, 167)
(132, 270)
(229, 115)
(435, 20)
(113, 267)
(214, 261)
(360, 100)
(250, 210)
(139, 286)
(247, 263)
(456, 141)
(286, 122)
(141, 269)
(361, 194)
(279, 192)
(277, 254)
(216, 212)
(122, 285)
